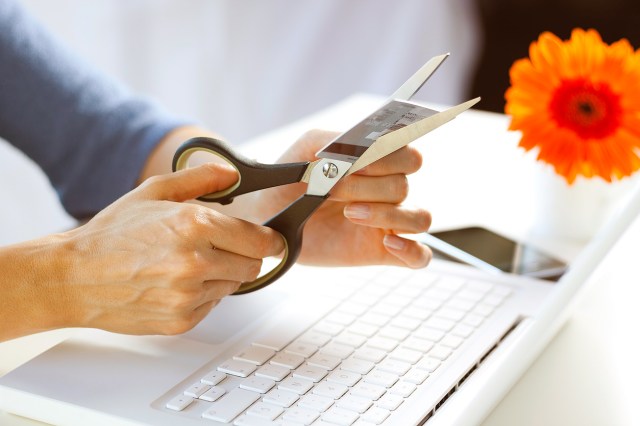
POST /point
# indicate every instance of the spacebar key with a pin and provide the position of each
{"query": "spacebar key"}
(229, 406)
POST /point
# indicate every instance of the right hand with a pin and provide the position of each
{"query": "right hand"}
(151, 264)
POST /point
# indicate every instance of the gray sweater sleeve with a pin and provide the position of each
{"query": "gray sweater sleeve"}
(89, 135)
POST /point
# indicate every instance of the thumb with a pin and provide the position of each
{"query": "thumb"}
(190, 183)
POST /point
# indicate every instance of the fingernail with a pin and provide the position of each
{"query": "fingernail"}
(393, 242)
(357, 211)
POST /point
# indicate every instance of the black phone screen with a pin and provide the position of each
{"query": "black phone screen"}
(502, 253)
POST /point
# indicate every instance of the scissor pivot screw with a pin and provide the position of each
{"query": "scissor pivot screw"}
(330, 170)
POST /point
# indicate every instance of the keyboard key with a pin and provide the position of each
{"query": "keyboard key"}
(344, 377)
(383, 343)
(429, 333)
(340, 318)
(409, 291)
(329, 328)
(315, 338)
(405, 322)
(363, 329)
(493, 300)
(461, 304)
(396, 333)
(350, 339)
(273, 372)
(383, 308)
(237, 368)
(450, 283)
(265, 411)
(377, 320)
(287, 360)
(450, 314)
(382, 378)
(196, 389)
(310, 372)
(394, 366)
(301, 348)
(403, 389)
(280, 397)
(301, 415)
(231, 405)
(473, 320)
(353, 308)
(340, 416)
(213, 394)
(440, 352)
(365, 298)
(440, 323)
(470, 295)
(428, 364)
(179, 402)
(438, 294)
(416, 376)
(316, 402)
(483, 310)
(462, 330)
(417, 344)
(330, 390)
(337, 349)
(213, 378)
(397, 300)
(324, 361)
(356, 365)
(368, 390)
(427, 303)
(390, 401)
(257, 384)
(255, 355)
(246, 420)
(296, 385)
(354, 403)
(370, 354)
(407, 355)
(452, 342)
(420, 314)
(479, 286)
(376, 415)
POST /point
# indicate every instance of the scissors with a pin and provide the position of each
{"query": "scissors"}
(389, 128)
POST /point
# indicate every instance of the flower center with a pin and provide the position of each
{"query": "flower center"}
(591, 110)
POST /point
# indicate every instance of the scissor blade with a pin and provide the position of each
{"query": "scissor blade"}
(392, 141)
(417, 80)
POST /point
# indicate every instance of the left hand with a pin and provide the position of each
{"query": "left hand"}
(358, 223)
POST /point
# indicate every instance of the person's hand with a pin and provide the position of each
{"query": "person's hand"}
(151, 264)
(358, 223)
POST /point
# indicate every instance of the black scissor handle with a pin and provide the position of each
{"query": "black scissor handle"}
(253, 176)
(289, 223)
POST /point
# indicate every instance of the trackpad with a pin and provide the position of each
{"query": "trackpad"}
(234, 313)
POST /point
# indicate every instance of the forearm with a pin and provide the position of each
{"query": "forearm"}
(34, 298)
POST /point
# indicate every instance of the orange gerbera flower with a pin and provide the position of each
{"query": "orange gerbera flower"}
(578, 102)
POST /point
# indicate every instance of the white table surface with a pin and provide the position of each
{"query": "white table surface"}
(588, 375)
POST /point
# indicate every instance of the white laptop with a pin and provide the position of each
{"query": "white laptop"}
(322, 346)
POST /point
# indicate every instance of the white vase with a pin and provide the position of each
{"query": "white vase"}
(573, 213)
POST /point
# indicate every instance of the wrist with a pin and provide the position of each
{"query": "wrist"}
(36, 294)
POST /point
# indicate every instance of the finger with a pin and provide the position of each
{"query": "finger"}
(228, 266)
(379, 189)
(406, 160)
(410, 253)
(217, 289)
(191, 183)
(239, 236)
(400, 220)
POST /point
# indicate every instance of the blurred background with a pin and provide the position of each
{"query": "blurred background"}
(244, 67)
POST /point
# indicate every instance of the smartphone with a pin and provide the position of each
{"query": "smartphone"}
(490, 251)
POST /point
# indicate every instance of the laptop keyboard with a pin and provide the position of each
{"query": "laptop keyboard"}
(359, 363)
